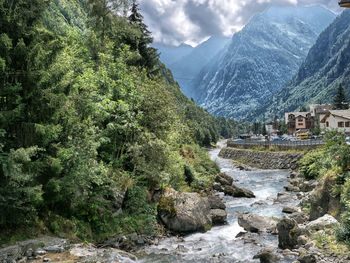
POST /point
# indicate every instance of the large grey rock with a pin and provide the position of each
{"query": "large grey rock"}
(257, 223)
(288, 232)
(224, 179)
(267, 255)
(291, 188)
(308, 258)
(308, 186)
(322, 199)
(218, 187)
(238, 192)
(216, 202)
(185, 212)
(290, 209)
(326, 221)
(300, 217)
(218, 216)
(18, 251)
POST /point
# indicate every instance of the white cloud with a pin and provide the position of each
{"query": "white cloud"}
(174, 22)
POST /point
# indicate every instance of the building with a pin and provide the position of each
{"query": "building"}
(336, 119)
(318, 111)
(272, 128)
(299, 122)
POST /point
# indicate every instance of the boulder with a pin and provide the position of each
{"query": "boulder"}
(285, 198)
(288, 232)
(117, 197)
(224, 179)
(299, 217)
(21, 249)
(256, 223)
(267, 255)
(216, 202)
(184, 212)
(326, 221)
(291, 188)
(308, 258)
(218, 187)
(290, 209)
(302, 240)
(322, 199)
(218, 216)
(308, 186)
(238, 192)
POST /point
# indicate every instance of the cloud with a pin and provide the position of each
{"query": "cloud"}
(173, 22)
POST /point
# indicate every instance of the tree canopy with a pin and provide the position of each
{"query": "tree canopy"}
(91, 121)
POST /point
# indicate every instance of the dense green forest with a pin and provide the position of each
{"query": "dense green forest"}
(91, 123)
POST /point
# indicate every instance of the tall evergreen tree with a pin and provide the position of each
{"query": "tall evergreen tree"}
(340, 100)
(149, 54)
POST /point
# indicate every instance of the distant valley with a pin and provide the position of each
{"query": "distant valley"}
(236, 77)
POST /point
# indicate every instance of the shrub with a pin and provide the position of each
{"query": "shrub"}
(311, 164)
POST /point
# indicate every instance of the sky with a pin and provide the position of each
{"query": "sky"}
(173, 22)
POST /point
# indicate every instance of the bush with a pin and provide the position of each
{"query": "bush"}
(311, 164)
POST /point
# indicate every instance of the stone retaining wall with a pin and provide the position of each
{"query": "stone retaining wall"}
(261, 159)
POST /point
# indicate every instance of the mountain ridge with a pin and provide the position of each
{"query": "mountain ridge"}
(259, 60)
(325, 67)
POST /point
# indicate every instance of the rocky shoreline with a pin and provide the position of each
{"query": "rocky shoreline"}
(300, 232)
(305, 233)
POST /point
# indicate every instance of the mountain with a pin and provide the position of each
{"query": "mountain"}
(259, 60)
(186, 62)
(170, 54)
(326, 66)
(189, 66)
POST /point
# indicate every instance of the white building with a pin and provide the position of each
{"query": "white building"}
(336, 119)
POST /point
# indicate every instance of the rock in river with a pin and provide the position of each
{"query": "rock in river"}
(238, 192)
(267, 255)
(185, 212)
(257, 224)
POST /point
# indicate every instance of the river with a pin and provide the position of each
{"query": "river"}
(220, 243)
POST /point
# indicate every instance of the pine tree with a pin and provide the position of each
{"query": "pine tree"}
(340, 100)
(149, 54)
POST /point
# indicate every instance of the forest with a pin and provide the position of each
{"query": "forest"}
(92, 124)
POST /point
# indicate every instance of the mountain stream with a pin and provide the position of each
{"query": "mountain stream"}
(220, 243)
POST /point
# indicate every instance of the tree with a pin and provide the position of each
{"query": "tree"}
(303, 109)
(102, 13)
(340, 100)
(149, 54)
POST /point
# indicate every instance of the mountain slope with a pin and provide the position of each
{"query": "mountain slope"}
(169, 54)
(259, 60)
(327, 65)
(189, 66)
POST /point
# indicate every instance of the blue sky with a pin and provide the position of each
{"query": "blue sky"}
(173, 22)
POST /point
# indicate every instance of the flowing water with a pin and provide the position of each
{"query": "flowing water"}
(220, 243)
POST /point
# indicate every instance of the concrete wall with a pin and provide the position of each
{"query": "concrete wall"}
(263, 160)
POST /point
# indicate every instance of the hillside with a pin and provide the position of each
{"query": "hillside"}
(259, 60)
(92, 124)
(326, 66)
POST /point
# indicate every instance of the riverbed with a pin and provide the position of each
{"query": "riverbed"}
(220, 244)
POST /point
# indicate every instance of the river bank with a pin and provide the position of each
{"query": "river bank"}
(272, 225)
(262, 159)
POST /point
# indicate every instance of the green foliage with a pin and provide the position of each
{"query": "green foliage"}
(311, 164)
(343, 231)
(20, 197)
(167, 207)
(340, 100)
(87, 113)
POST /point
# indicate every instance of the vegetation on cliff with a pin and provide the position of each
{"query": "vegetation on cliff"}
(332, 163)
(91, 123)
